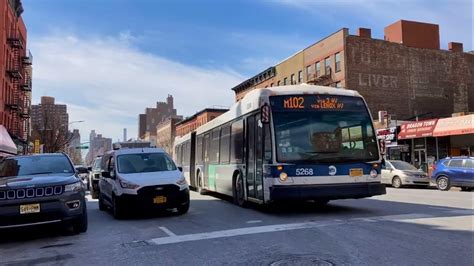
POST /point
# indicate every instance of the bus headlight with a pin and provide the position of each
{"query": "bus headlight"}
(373, 173)
(283, 176)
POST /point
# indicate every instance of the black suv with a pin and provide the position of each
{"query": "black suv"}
(94, 176)
(41, 189)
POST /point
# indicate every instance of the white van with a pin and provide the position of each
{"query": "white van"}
(143, 179)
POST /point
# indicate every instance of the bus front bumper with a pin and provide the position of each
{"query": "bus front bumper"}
(327, 191)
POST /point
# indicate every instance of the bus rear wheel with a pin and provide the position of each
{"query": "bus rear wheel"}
(239, 195)
(199, 185)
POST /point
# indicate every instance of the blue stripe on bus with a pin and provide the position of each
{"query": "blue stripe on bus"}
(271, 171)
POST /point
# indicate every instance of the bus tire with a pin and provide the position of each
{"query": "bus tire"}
(199, 185)
(238, 190)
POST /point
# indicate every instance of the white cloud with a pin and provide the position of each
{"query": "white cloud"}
(107, 82)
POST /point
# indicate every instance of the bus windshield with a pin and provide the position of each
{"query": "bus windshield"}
(338, 129)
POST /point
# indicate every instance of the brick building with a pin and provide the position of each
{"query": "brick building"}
(148, 121)
(15, 74)
(98, 146)
(48, 114)
(198, 119)
(406, 74)
(165, 134)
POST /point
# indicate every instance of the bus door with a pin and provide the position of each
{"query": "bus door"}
(254, 175)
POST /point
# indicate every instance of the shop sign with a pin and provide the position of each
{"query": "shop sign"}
(459, 125)
(388, 135)
(418, 129)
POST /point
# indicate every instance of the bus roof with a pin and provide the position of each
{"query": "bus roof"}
(253, 100)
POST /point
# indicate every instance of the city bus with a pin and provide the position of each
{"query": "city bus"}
(299, 142)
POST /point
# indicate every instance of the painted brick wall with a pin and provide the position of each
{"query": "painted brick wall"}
(410, 81)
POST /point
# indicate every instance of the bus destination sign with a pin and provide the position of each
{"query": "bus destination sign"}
(315, 102)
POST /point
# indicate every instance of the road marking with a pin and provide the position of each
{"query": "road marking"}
(167, 231)
(254, 221)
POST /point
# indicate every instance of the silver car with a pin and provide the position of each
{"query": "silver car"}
(400, 173)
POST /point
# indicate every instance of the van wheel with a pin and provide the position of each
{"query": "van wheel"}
(396, 182)
(238, 189)
(443, 183)
(81, 224)
(117, 208)
(182, 209)
(102, 205)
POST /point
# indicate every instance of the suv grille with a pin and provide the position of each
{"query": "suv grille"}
(30, 192)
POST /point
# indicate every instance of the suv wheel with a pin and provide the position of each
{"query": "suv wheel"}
(443, 183)
(182, 209)
(81, 224)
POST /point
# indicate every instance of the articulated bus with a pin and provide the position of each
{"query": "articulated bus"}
(300, 142)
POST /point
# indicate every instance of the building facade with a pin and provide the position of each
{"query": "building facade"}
(405, 74)
(72, 149)
(148, 121)
(166, 133)
(98, 146)
(200, 118)
(15, 74)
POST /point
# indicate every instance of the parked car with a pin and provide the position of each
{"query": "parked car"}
(143, 179)
(94, 176)
(454, 172)
(83, 173)
(400, 173)
(41, 189)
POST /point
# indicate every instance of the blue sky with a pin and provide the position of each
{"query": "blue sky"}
(108, 60)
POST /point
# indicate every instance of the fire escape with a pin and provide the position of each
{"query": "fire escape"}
(27, 61)
(324, 80)
(14, 72)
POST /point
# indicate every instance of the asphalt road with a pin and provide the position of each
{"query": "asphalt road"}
(404, 227)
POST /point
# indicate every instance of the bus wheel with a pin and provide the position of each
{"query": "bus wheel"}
(199, 188)
(239, 196)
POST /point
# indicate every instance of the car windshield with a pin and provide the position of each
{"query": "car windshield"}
(144, 162)
(35, 165)
(401, 165)
(316, 134)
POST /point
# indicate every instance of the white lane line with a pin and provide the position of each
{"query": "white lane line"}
(254, 221)
(167, 231)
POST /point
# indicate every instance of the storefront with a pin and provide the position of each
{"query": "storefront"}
(460, 132)
(7, 146)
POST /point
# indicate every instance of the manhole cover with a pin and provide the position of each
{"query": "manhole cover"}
(302, 261)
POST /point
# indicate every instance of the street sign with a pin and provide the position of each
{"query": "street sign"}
(37, 146)
(82, 147)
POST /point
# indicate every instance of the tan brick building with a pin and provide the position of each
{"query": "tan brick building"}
(405, 74)
(198, 119)
(165, 134)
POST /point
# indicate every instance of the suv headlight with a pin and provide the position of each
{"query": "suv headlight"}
(74, 187)
(181, 182)
(127, 185)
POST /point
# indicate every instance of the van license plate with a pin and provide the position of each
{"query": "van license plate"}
(159, 200)
(356, 172)
(30, 208)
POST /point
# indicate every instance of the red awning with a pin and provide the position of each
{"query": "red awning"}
(7, 146)
(417, 129)
(459, 125)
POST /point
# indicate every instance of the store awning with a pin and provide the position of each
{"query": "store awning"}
(458, 125)
(417, 129)
(7, 146)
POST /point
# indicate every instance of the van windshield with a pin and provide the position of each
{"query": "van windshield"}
(144, 162)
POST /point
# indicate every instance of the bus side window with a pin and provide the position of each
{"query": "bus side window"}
(224, 144)
(199, 150)
(237, 142)
(214, 146)
(206, 148)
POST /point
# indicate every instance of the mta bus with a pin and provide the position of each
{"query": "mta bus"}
(300, 142)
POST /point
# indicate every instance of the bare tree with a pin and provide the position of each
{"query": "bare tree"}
(52, 132)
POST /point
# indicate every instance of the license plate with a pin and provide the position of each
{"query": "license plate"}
(356, 172)
(159, 200)
(30, 208)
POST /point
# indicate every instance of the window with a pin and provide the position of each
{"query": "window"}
(144, 163)
(468, 163)
(318, 69)
(271, 84)
(224, 148)
(214, 146)
(237, 142)
(285, 81)
(300, 76)
(327, 65)
(338, 62)
(455, 163)
(186, 152)
(199, 149)
(206, 147)
(309, 72)
(293, 80)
